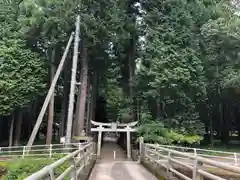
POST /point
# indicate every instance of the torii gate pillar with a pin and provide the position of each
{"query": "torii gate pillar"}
(129, 154)
(114, 127)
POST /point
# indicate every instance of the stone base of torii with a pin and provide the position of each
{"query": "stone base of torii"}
(114, 127)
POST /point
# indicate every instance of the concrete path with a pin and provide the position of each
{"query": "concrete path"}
(119, 168)
(112, 152)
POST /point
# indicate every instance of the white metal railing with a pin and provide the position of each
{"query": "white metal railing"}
(39, 151)
(76, 160)
(223, 156)
(169, 158)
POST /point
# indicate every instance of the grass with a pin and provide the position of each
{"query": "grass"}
(221, 147)
(21, 168)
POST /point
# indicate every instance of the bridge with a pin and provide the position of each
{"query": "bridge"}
(108, 161)
(148, 162)
(95, 161)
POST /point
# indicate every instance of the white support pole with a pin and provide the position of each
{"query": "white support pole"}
(50, 151)
(128, 144)
(235, 159)
(24, 149)
(99, 141)
(73, 83)
(49, 95)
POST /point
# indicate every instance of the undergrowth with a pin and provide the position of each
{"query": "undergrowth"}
(18, 169)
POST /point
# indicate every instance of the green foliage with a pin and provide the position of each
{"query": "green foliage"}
(172, 70)
(188, 56)
(183, 138)
(22, 168)
(22, 76)
(155, 132)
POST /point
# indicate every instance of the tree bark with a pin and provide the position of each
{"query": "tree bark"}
(88, 106)
(66, 90)
(31, 117)
(158, 108)
(18, 128)
(131, 66)
(11, 131)
(76, 117)
(93, 97)
(211, 130)
(51, 104)
(84, 75)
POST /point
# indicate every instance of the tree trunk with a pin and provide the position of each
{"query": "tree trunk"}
(131, 66)
(211, 132)
(62, 118)
(158, 110)
(18, 127)
(76, 117)
(51, 104)
(94, 97)
(84, 75)
(88, 106)
(11, 131)
(224, 125)
(66, 91)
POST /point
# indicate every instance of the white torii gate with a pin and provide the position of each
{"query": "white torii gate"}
(114, 127)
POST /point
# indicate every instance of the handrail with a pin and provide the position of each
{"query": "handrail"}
(77, 161)
(166, 157)
(196, 149)
(39, 151)
(234, 156)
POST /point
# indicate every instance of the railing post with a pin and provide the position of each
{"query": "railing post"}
(195, 151)
(141, 148)
(85, 157)
(73, 174)
(197, 165)
(51, 173)
(24, 149)
(169, 166)
(50, 151)
(235, 159)
(79, 147)
(93, 149)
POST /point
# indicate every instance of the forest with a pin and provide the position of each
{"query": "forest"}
(172, 65)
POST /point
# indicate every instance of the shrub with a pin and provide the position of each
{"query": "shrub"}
(22, 168)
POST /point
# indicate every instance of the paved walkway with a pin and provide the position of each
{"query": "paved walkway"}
(120, 168)
(112, 152)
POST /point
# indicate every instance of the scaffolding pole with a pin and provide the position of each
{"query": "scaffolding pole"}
(73, 83)
(49, 95)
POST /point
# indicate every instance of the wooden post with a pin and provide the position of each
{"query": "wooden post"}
(49, 95)
(73, 83)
